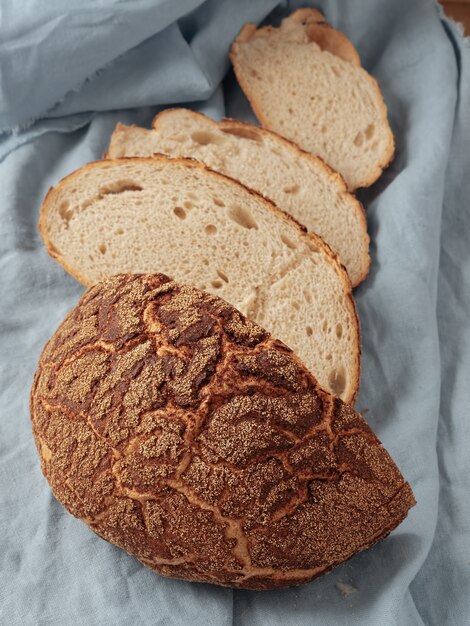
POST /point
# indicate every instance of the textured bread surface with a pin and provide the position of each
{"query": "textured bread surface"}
(304, 81)
(296, 181)
(185, 434)
(177, 217)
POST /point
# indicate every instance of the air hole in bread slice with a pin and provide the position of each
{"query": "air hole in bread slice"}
(292, 189)
(65, 211)
(359, 139)
(217, 284)
(288, 242)
(337, 381)
(245, 133)
(102, 248)
(119, 186)
(211, 229)
(309, 331)
(179, 212)
(204, 138)
(339, 330)
(218, 202)
(369, 132)
(222, 275)
(241, 216)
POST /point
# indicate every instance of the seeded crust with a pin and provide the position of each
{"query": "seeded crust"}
(185, 434)
(328, 39)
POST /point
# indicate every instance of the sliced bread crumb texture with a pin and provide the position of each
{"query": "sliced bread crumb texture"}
(297, 182)
(177, 217)
(304, 81)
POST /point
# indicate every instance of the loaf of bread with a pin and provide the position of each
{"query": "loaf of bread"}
(176, 216)
(297, 182)
(188, 436)
(304, 81)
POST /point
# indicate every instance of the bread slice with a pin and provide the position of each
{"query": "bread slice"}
(178, 217)
(304, 81)
(188, 436)
(293, 179)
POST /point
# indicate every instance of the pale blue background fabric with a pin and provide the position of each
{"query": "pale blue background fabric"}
(68, 72)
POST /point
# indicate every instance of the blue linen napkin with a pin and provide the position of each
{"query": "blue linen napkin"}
(68, 73)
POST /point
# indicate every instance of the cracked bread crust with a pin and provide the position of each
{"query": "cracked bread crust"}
(185, 434)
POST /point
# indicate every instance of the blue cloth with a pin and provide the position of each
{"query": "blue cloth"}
(68, 73)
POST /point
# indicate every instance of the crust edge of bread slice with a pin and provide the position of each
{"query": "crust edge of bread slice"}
(345, 51)
(315, 240)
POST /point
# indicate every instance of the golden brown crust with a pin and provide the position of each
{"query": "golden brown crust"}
(325, 36)
(188, 436)
(314, 241)
(330, 40)
(285, 144)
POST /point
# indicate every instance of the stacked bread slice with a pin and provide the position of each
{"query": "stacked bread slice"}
(296, 181)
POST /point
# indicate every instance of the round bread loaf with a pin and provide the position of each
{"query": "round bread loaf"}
(188, 436)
